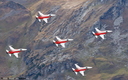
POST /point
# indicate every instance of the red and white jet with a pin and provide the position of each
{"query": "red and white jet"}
(80, 69)
(14, 51)
(44, 17)
(101, 33)
(61, 41)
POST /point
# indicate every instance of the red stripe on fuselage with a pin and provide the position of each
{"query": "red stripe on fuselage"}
(41, 17)
(100, 33)
(12, 52)
(58, 42)
(77, 70)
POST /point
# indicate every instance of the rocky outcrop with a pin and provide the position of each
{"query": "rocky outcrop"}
(54, 69)
(120, 77)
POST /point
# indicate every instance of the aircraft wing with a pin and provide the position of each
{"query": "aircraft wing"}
(11, 48)
(82, 73)
(16, 54)
(46, 20)
(63, 45)
(97, 30)
(78, 67)
(40, 13)
(102, 36)
(58, 38)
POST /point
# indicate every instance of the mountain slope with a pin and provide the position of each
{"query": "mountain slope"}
(75, 19)
(13, 18)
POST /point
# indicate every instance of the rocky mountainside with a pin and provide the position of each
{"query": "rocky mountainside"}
(13, 21)
(74, 19)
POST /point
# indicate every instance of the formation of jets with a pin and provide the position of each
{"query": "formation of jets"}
(63, 41)
(58, 42)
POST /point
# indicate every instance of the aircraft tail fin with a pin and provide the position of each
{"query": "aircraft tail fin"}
(7, 51)
(94, 34)
(74, 71)
(55, 43)
(10, 55)
(36, 16)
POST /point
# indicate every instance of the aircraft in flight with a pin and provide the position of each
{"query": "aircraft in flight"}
(44, 17)
(80, 69)
(14, 51)
(61, 41)
(101, 33)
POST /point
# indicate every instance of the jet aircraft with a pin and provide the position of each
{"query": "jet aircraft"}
(80, 69)
(101, 33)
(44, 17)
(14, 51)
(61, 41)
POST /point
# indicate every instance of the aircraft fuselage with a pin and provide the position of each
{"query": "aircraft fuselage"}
(100, 33)
(12, 52)
(78, 70)
(42, 17)
(58, 42)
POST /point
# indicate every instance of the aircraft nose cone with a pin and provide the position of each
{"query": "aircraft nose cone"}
(109, 31)
(89, 67)
(24, 49)
(52, 14)
(70, 39)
